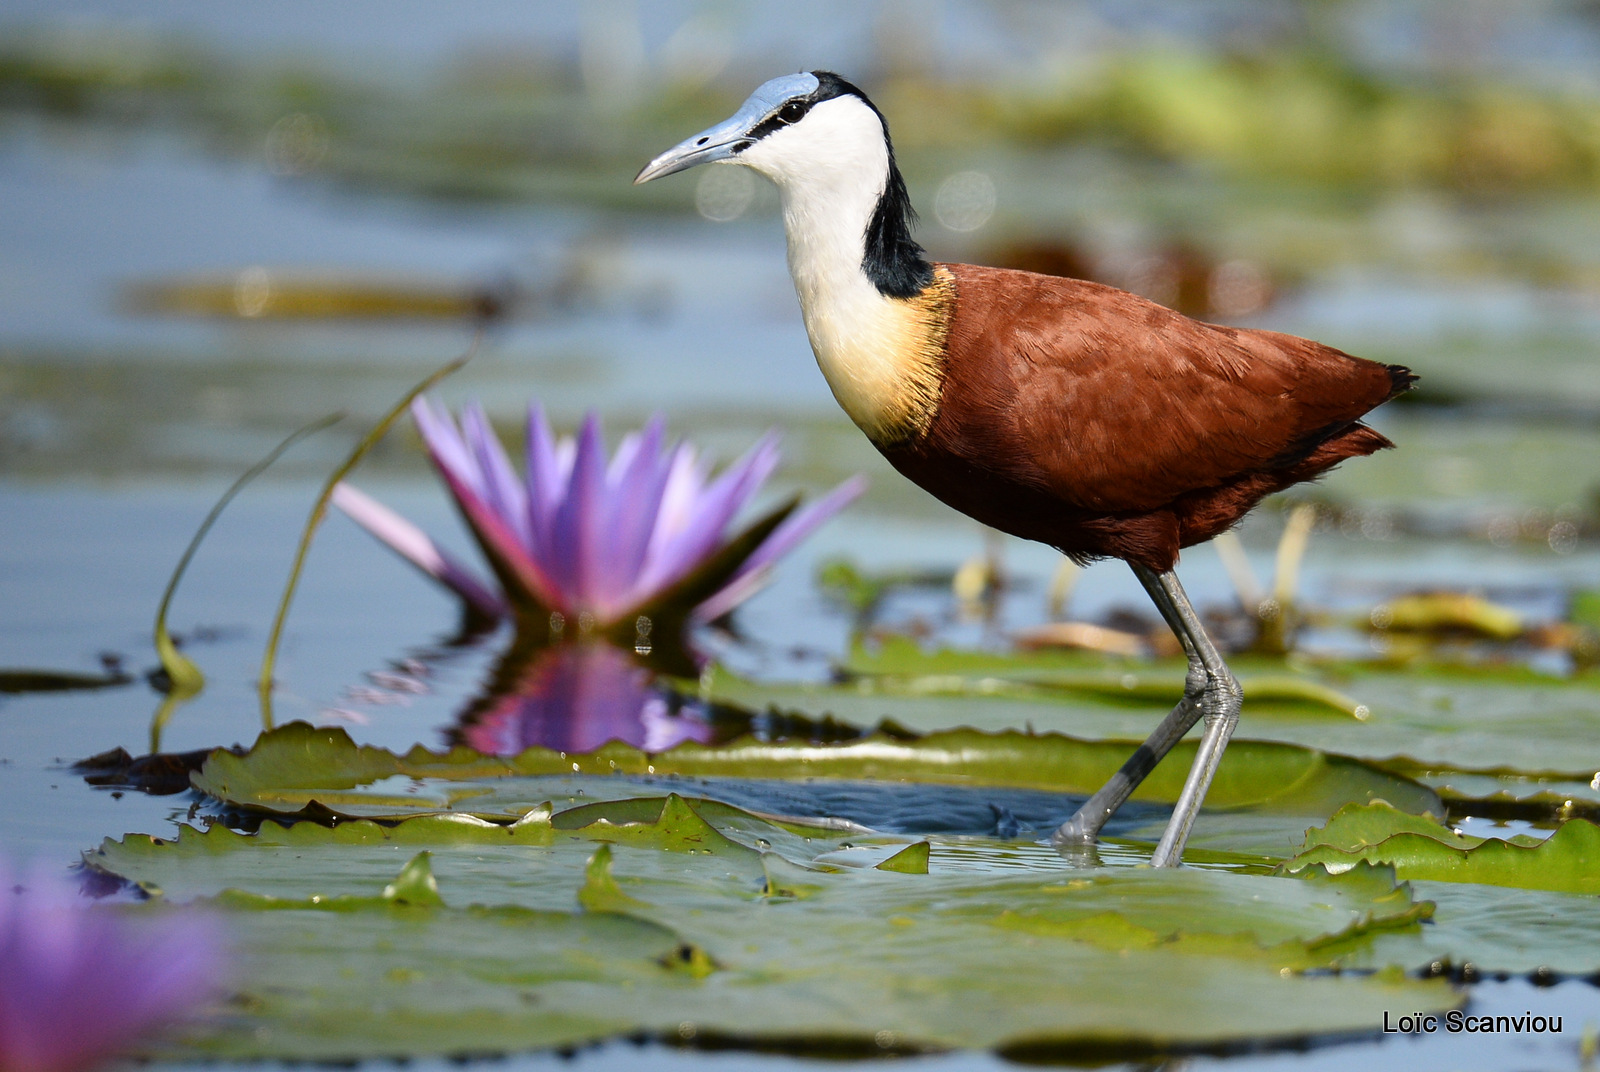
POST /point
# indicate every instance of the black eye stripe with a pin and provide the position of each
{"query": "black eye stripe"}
(788, 113)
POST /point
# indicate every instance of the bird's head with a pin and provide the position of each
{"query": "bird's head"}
(827, 147)
(808, 126)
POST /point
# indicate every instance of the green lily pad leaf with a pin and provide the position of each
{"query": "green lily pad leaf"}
(600, 892)
(324, 985)
(670, 938)
(677, 827)
(415, 885)
(1540, 806)
(1569, 860)
(691, 960)
(1505, 793)
(911, 860)
(1443, 717)
(297, 765)
(1447, 612)
(1496, 929)
(785, 879)
(290, 765)
(1491, 928)
(899, 665)
(196, 864)
(1316, 923)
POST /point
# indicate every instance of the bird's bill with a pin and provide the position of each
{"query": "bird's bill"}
(720, 142)
(731, 136)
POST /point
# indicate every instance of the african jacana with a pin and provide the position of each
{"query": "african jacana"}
(1054, 409)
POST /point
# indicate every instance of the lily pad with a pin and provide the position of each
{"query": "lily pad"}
(1510, 722)
(721, 945)
(900, 667)
(1495, 929)
(296, 766)
(1568, 861)
(1506, 793)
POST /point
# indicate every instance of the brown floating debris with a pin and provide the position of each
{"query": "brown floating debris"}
(257, 293)
(159, 774)
(27, 679)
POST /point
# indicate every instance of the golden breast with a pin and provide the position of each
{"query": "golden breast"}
(883, 357)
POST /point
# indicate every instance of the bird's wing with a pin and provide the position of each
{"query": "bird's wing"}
(1114, 403)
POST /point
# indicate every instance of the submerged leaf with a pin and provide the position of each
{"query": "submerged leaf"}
(415, 885)
(911, 860)
(600, 892)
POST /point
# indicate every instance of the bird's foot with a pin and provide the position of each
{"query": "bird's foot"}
(1077, 831)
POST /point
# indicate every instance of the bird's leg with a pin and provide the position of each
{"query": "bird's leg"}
(1083, 828)
(1210, 691)
(1220, 699)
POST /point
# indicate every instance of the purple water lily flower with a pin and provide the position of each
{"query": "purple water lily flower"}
(575, 698)
(592, 539)
(78, 983)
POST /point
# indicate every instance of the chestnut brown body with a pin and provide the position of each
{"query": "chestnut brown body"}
(1105, 425)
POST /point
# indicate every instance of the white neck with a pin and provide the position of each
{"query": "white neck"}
(831, 169)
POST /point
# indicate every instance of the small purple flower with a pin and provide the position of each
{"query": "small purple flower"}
(78, 983)
(582, 536)
(575, 698)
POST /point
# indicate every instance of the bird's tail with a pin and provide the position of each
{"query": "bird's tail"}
(1401, 380)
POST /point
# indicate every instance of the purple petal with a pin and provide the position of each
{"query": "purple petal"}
(755, 572)
(445, 446)
(414, 545)
(518, 572)
(635, 497)
(79, 983)
(716, 507)
(546, 482)
(575, 560)
(503, 491)
(627, 450)
(684, 482)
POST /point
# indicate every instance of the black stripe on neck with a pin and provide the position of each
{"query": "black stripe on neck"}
(891, 259)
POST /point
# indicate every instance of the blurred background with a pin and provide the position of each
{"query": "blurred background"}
(220, 220)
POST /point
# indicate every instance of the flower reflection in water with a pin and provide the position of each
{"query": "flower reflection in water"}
(575, 698)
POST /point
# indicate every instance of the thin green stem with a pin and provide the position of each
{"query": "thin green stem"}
(185, 679)
(319, 510)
